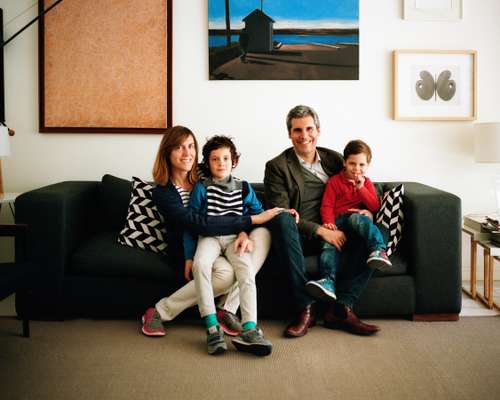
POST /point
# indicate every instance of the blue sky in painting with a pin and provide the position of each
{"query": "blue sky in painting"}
(289, 13)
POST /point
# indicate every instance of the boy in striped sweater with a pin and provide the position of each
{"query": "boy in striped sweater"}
(222, 194)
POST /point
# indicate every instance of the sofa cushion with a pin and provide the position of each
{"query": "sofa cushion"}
(114, 197)
(144, 227)
(391, 216)
(101, 255)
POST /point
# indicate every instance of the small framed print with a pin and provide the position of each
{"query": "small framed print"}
(433, 10)
(435, 85)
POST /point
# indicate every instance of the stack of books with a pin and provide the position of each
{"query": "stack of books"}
(488, 227)
(476, 222)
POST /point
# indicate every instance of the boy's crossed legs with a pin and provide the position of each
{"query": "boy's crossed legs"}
(208, 249)
(352, 224)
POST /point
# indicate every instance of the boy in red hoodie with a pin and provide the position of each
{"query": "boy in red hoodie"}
(349, 203)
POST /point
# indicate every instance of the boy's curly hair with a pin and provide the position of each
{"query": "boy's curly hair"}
(217, 142)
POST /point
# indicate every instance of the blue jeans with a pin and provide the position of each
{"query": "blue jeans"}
(289, 248)
(353, 225)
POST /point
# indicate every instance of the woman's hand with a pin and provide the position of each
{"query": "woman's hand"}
(243, 244)
(265, 216)
(188, 266)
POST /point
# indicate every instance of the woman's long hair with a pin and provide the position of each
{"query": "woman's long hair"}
(173, 137)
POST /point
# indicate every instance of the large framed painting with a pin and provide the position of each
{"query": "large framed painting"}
(435, 85)
(285, 40)
(106, 66)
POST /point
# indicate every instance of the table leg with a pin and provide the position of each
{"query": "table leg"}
(473, 266)
(490, 280)
(487, 277)
(495, 304)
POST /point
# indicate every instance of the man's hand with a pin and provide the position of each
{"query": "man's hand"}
(188, 266)
(362, 212)
(330, 226)
(243, 244)
(267, 215)
(336, 238)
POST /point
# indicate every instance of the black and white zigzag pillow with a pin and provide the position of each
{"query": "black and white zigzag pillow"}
(391, 216)
(144, 226)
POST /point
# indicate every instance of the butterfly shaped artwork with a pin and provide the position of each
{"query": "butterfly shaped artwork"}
(429, 86)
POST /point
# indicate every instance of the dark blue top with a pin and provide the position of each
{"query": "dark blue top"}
(198, 202)
(178, 218)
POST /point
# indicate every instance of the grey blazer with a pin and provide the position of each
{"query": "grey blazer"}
(284, 182)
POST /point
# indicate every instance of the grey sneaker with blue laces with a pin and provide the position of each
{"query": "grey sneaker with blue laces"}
(215, 340)
(323, 289)
(253, 341)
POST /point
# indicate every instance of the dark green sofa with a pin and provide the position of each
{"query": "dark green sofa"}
(84, 271)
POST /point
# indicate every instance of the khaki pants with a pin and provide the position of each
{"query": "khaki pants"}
(223, 281)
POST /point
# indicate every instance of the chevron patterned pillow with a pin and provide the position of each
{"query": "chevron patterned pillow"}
(144, 226)
(391, 216)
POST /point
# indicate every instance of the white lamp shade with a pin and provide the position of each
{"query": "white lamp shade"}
(4, 141)
(487, 142)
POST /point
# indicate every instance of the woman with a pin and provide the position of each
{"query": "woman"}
(175, 172)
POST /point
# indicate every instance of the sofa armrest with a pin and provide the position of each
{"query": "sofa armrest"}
(433, 244)
(59, 217)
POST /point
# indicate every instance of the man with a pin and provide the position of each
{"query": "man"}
(296, 179)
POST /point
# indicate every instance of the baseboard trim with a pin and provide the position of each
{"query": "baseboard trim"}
(435, 317)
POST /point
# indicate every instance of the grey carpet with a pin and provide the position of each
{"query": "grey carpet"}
(89, 359)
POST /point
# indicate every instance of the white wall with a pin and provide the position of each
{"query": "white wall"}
(436, 153)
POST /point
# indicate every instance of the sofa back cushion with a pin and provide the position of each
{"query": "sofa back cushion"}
(114, 198)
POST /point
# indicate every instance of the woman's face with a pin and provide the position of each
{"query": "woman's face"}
(182, 156)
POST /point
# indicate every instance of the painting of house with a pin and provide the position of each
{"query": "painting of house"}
(277, 40)
(259, 27)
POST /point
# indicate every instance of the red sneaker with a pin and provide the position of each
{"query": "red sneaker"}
(229, 322)
(151, 323)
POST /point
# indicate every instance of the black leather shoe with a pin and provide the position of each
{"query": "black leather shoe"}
(305, 320)
(342, 317)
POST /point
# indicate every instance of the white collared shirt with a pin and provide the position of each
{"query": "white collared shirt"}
(315, 167)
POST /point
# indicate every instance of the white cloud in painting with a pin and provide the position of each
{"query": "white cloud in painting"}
(220, 23)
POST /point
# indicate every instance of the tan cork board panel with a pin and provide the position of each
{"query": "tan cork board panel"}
(105, 66)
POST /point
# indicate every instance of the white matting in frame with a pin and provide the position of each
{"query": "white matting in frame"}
(435, 85)
(433, 10)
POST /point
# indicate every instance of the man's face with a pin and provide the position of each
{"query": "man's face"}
(304, 136)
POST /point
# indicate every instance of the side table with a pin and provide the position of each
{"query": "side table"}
(8, 198)
(491, 252)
